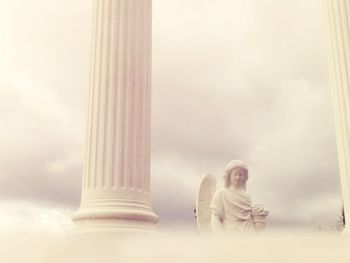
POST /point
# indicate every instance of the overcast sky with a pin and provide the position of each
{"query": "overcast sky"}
(231, 80)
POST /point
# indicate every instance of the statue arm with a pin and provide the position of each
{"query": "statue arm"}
(259, 217)
(217, 212)
(216, 223)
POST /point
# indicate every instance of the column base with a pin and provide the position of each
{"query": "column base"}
(111, 226)
(128, 216)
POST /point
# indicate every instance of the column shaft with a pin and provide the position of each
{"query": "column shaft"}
(117, 155)
(339, 35)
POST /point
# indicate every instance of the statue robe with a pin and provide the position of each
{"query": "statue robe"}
(234, 209)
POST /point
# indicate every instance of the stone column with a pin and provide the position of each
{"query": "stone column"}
(339, 36)
(116, 179)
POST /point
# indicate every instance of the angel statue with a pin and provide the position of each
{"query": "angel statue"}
(230, 208)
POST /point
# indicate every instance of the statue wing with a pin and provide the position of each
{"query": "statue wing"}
(205, 194)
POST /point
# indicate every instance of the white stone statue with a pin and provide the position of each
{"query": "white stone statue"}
(230, 208)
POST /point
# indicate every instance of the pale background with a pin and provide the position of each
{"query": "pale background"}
(231, 80)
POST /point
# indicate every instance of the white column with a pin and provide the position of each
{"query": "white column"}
(339, 32)
(115, 191)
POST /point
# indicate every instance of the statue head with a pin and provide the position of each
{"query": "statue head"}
(236, 174)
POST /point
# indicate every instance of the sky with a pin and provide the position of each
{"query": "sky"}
(231, 80)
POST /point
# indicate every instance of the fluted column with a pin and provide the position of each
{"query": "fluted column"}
(116, 179)
(339, 36)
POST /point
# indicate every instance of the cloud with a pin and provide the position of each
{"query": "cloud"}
(43, 86)
(41, 151)
(29, 218)
(231, 80)
(236, 86)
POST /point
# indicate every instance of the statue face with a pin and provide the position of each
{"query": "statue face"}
(237, 177)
